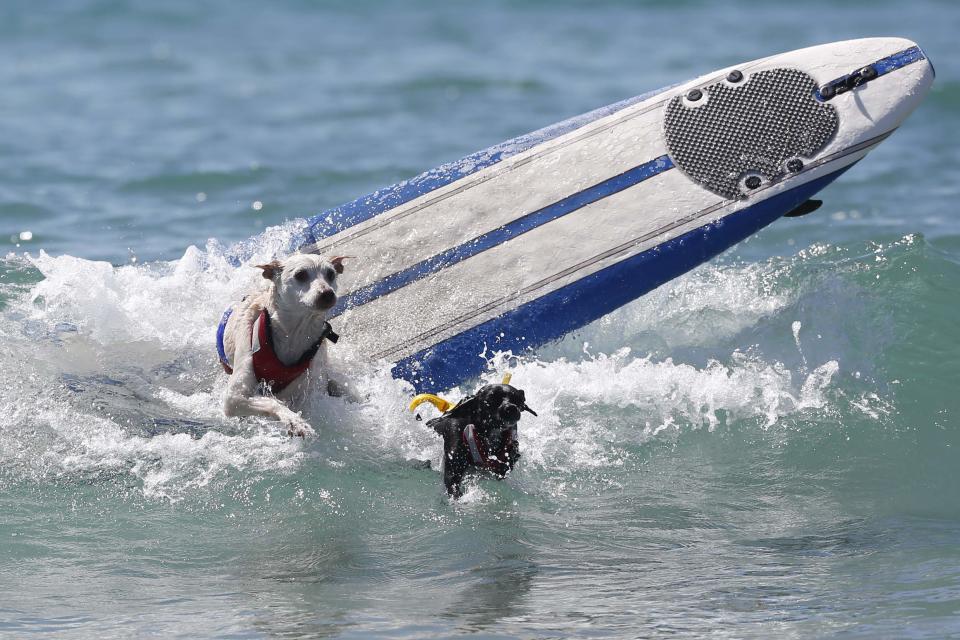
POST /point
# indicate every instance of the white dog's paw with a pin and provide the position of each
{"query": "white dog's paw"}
(298, 427)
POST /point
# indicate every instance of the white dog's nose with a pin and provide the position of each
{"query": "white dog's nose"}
(326, 299)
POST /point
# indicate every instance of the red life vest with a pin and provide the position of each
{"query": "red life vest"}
(497, 461)
(267, 366)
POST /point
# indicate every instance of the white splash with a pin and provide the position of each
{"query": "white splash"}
(140, 340)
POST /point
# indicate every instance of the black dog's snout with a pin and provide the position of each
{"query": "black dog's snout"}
(509, 412)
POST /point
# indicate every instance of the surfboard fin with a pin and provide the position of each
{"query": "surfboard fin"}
(807, 207)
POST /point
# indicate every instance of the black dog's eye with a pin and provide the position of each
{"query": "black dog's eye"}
(301, 276)
(329, 274)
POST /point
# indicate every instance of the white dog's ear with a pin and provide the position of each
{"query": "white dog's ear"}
(271, 269)
(337, 262)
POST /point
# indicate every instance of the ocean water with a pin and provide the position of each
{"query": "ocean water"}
(766, 447)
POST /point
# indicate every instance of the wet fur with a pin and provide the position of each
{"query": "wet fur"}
(486, 411)
(298, 306)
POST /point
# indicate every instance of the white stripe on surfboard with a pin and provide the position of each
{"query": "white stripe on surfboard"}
(509, 267)
(409, 234)
(492, 204)
(800, 59)
(585, 268)
(386, 328)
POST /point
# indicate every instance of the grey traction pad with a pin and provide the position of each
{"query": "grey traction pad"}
(751, 128)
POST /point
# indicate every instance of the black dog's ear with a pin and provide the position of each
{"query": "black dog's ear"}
(523, 402)
(464, 409)
(438, 424)
(270, 269)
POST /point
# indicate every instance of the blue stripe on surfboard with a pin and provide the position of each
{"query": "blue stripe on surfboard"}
(507, 232)
(885, 65)
(568, 308)
(336, 220)
(898, 60)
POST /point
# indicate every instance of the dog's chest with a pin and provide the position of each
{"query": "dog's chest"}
(488, 451)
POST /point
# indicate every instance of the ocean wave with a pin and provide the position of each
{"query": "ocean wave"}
(111, 370)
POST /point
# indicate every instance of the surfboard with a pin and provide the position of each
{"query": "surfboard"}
(523, 242)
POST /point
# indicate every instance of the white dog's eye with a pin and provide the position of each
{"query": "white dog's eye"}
(329, 274)
(301, 276)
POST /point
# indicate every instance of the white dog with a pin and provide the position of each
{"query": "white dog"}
(276, 340)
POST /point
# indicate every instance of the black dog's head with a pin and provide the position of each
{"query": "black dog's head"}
(480, 433)
(498, 407)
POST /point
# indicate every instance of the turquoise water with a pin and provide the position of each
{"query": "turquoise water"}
(766, 447)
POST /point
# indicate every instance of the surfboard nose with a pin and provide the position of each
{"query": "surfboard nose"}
(874, 83)
(767, 122)
(734, 135)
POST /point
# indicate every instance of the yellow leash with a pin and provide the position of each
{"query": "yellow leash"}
(443, 405)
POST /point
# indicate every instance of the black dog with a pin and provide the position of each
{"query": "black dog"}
(480, 434)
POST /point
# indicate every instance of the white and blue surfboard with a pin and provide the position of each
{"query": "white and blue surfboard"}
(521, 243)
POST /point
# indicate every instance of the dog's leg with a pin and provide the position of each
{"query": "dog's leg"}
(241, 399)
(455, 465)
(454, 490)
(453, 483)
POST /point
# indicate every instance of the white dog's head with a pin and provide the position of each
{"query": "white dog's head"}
(304, 282)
